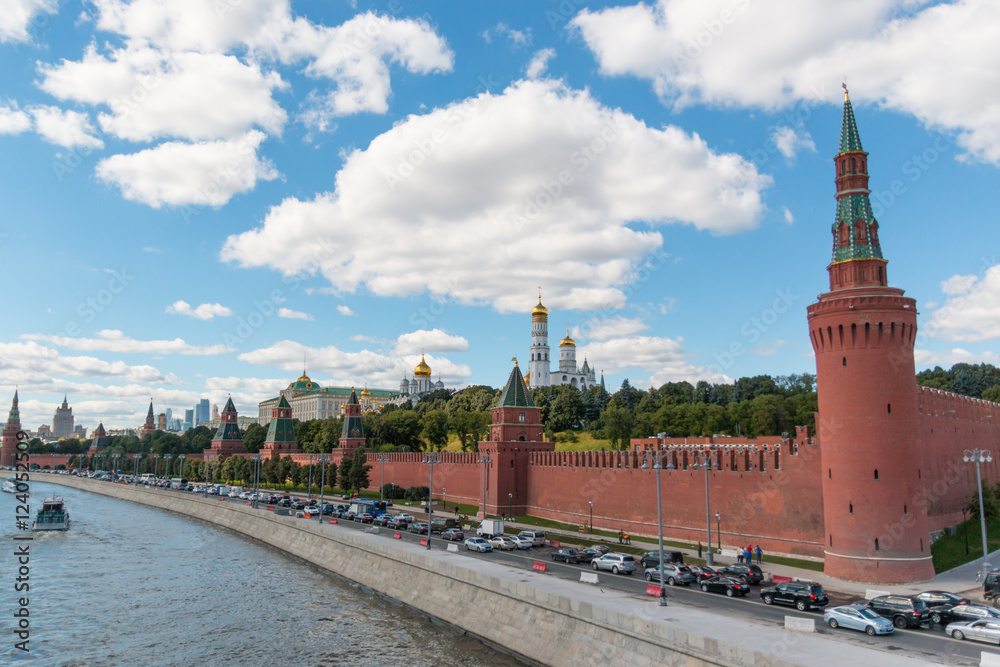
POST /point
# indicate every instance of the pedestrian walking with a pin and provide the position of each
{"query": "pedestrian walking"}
(621, 537)
(699, 550)
(748, 555)
(739, 556)
(760, 555)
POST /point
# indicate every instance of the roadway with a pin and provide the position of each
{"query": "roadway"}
(926, 644)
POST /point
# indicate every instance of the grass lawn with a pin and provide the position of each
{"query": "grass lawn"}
(949, 550)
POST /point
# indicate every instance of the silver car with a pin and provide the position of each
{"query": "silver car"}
(672, 574)
(986, 630)
(858, 617)
(623, 563)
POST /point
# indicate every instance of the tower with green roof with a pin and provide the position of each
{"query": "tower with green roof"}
(228, 439)
(352, 436)
(281, 439)
(10, 431)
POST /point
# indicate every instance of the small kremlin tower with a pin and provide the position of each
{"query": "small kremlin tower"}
(228, 439)
(281, 439)
(150, 425)
(99, 441)
(9, 447)
(352, 436)
(862, 332)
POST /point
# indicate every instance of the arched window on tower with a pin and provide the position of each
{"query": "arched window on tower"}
(850, 508)
(876, 544)
(843, 237)
(859, 233)
(854, 165)
(876, 474)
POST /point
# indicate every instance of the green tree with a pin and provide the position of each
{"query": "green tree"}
(618, 426)
(567, 410)
(253, 438)
(471, 427)
(358, 472)
(435, 431)
(344, 472)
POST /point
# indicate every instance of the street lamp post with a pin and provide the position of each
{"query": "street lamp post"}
(980, 456)
(180, 459)
(703, 460)
(965, 529)
(166, 468)
(310, 477)
(431, 459)
(114, 459)
(256, 478)
(510, 503)
(485, 460)
(156, 466)
(206, 477)
(591, 502)
(718, 531)
(444, 498)
(657, 466)
(382, 458)
(322, 483)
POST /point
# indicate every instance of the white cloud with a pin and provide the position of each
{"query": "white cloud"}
(767, 348)
(957, 355)
(290, 314)
(664, 359)
(789, 218)
(957, 285)
(611, 327)
(12, 119)
(972, 311)
(113, 340)
(931, 305)
(937, 62)
(503, 179)
(353, 368)
(17, 15)
(346, 311)
(515, 38)
(207, 173)
(205, 311)
(65, 128)
(434, 340)
(30, 361)
(153, 94)
(539, 63)
(789, 141)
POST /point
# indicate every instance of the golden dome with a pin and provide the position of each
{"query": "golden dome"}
(567, 340)
(539, 310)
(365, 393)
(422, 370)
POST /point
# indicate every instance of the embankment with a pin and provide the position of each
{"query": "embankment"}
(540, 625)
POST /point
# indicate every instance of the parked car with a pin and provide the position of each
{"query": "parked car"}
(943, 614)
(702, 572)
(991, 587)
(537, 537)
(453, 535)
(623, 563)
(569, 556)
(803, 595)
(905, 611)
(595, 551)
(858, 617)
(477, 544)
(731, 586)
(750, 574)
(652, 558)
(986, 630)
(936, 598)
(522, 542)
(503, 543)
(418, 528)
(673, 574)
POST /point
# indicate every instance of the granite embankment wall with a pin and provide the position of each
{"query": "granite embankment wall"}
(541, 626)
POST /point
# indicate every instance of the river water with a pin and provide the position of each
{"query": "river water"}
(130, 585)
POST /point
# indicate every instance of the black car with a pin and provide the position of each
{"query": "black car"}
(905, 611)
(802, 595)
(596, 551)
(399, 524)
(937, 598)
(945, 614)
(571, 556)
(749, 574)
(652, 558)
(729, 585)
(419, 528)
(298, 505)
(382, 520)
(701, 572)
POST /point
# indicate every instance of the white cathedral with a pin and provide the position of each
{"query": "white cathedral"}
(539, 373)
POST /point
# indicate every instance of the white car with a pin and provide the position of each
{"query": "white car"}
(522, 542)
(233, 494)
(503, 543)
(477, 544)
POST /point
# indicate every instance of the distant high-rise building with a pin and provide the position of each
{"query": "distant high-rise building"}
(188, 420)
(44, 432)
(201, 412)
(170, 414)
(80, 432)
(215, 411)
(62, 422)
(161, 421)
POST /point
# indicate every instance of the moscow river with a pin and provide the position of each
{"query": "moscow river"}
(130, 584)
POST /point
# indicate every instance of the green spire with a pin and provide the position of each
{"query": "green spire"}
(281, 429)
(283, 403)
(15, 414)
(850, 140)
(515, 392)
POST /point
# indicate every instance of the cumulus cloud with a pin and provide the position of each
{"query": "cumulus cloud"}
(929, 359)
(13, 120)
(767, 348)
(346, 311)
(70, 129)
(154, 94)
(789, 141)
(31, 359)
(16, 16)
(113, 340)
(611, 327)
(789, 218)
(290, 314)
(504, 180)
(205, 311)
(351, 368)
(936, 62)
(664, 359)
(434, 340)
(515, 38)
(972, 311)
(207, 173)
(539, 63)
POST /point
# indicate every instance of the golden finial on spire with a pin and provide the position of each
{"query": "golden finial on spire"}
(514, 359)
(847, 97)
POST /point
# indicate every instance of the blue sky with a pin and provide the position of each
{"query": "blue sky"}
(198, 195)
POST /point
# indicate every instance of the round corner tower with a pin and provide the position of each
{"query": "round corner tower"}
(863, 332)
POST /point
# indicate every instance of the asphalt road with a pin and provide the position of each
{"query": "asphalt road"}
(925, 644)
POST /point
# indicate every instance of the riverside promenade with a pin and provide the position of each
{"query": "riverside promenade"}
(543, 619)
